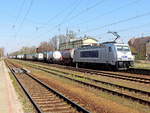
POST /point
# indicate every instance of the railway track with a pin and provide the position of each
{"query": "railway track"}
(102, 73)
(139, 71)
(126, 93)
(118, 76)
(99, 81)
(44, 98)
(130, 70)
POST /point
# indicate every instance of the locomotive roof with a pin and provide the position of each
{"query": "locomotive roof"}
(112, 42)
(92, 46)
(101, 45)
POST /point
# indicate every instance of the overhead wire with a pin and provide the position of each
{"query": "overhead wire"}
(110, 12)
(98, 3)
(76, 4)
(56, 15)
(83, 11)
(117, 22)
(111, 24)
(70, 13)
(19, 13)
(24, 18)
(87, 9)
(28, 10)
(126, 29)
(139, 34)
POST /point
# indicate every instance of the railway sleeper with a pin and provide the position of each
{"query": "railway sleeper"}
(53, 106)
(58, 110)
(39, 94)
(48, 98)
(44, 96)
(54, 101)
(58, 104)
(43, 102)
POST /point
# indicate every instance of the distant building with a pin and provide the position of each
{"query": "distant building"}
(148, 50)
(77, 43)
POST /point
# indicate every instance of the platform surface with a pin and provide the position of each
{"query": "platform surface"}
(9, 102)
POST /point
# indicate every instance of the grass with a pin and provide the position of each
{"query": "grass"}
(142, 64)
(27, 106)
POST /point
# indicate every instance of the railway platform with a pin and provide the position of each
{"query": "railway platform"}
(9, 102)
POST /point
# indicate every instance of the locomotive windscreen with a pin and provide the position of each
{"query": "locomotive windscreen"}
(122, 48)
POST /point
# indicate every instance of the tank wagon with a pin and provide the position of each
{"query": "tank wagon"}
(14, 57)
(29, 57)
(110, 53)
(20, 56)
(9, 57)
(67, 56)
(39, 57)
(52, 56)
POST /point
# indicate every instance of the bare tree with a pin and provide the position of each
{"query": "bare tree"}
(71, 35)
(59, 39)
(33, 49)
(44, 47)
(53, 42)
(1, 52)
(27, 50)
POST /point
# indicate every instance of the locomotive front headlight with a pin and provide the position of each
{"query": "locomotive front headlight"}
(131, 58)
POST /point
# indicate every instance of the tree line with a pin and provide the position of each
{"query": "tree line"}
(50, 45)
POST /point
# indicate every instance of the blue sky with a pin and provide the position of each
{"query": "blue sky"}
(20, 18)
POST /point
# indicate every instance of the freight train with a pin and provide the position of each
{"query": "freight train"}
(116, 55)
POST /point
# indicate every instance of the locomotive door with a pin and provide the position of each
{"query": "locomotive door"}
(105, 55)
(110, 54)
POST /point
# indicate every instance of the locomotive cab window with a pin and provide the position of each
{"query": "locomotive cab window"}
(126, 48)
(123, 48)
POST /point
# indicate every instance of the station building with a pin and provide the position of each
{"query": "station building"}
(77, 43)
